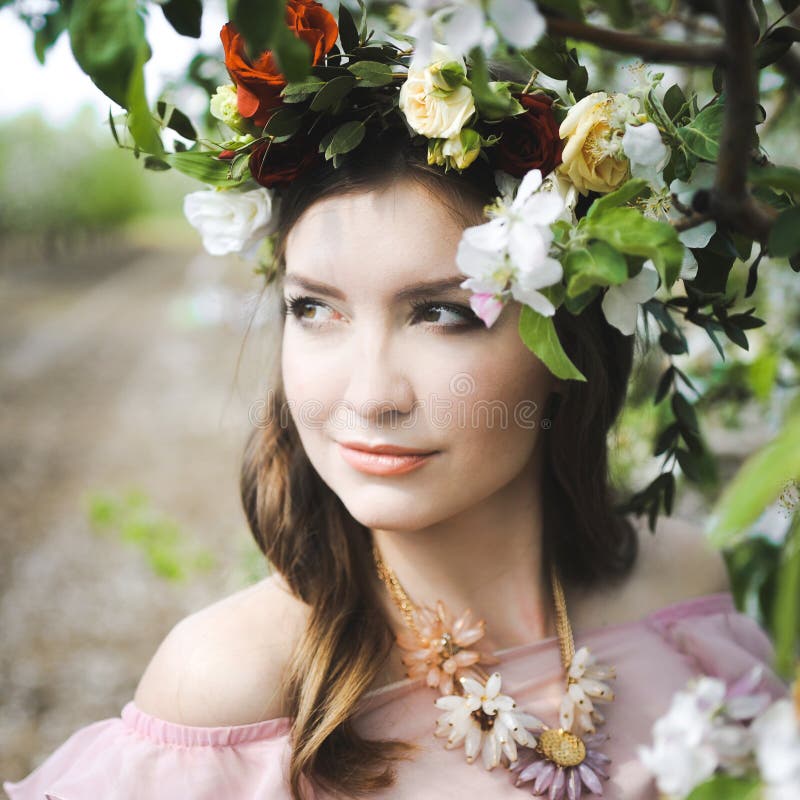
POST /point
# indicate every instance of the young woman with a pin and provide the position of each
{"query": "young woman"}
(410, 451)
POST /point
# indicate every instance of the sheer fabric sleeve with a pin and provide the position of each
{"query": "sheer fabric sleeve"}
(139, 757)
(718, 640)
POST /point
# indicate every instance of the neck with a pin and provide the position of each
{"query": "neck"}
(488, 559)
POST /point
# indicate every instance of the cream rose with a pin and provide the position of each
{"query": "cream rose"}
(458, 151)
(230, 221)
(433, 111)
(224, 107)
(593, 158)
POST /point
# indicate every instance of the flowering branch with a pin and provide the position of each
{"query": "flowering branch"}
(655, 50)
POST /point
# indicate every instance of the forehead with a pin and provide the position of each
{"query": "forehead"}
(389, 236)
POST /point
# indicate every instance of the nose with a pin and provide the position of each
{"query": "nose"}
(379, 386)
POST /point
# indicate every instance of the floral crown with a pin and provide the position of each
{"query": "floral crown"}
(545, 152)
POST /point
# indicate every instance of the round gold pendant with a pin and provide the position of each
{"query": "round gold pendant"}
(561, 747)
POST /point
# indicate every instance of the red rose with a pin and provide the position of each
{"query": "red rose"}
(312, 23)
(530, 140)
(277, 164)
(258, 85)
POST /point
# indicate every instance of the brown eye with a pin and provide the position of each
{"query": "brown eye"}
(445, 315)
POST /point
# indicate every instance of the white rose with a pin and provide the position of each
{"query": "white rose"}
(230, 221)
(224, 106)
(434, 112)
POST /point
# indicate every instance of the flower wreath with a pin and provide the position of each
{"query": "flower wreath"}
(532, 248)
(635, 166)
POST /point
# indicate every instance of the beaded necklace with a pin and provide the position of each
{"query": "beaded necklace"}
(562, 761)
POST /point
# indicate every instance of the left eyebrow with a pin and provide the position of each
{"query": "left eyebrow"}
(421, 289)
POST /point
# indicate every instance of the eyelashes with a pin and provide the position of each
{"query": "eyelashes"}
(296, 305)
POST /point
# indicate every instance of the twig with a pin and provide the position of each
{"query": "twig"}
(655, 50)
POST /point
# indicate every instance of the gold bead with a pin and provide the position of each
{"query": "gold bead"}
(562, 747)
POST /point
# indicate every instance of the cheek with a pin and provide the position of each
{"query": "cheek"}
(497, 406)
(306, 383)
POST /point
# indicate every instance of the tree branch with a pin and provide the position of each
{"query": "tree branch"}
(730, 201)
(655, 50)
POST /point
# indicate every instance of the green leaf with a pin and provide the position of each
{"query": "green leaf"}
(185, 16)
(702, 134)
(45, 36)
(628, 191)
(292, 55)
(775, 45)
(539, 334)
(759, 481)
(630, 232)
(726, 787)
(345, 138)
(550, 57)
(674, 102)
(332, 92)
(786, 611)
(107, 38)
(156, 164)
(597, 265)
(176, 120)
(785, 178)
(371, 73)
(204, 167)
(784, 238)
(141, 124)
(284, 121)
(348, 32)
(259, 22)
(297, 91)
(491, 104)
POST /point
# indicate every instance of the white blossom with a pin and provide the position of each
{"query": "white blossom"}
(464, 24)
(621, 302)
(777, 747)
(230, 221)
(646, 151)
(510, 254)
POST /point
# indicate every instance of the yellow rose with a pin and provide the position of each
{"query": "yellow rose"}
(593, 159)
(431, 110)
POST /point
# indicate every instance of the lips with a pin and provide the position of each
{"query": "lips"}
(384, 459)
(388, 449)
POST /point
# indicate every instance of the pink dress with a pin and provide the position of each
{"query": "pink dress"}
(138, 757)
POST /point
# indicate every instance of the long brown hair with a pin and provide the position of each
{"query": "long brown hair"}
(324, 554)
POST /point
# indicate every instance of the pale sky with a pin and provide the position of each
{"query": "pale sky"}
(59, 87)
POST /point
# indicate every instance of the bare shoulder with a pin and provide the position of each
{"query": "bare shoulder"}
(674, 563)
(223, 664)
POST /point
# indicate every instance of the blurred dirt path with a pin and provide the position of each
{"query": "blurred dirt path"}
(107, 382)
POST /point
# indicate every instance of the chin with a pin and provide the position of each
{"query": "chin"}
(392, 508)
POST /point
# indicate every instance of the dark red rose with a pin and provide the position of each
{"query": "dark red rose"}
(530, 140)
(277, 164)
(259, 84)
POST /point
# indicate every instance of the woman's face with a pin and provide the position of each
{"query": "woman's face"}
(375, 354)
